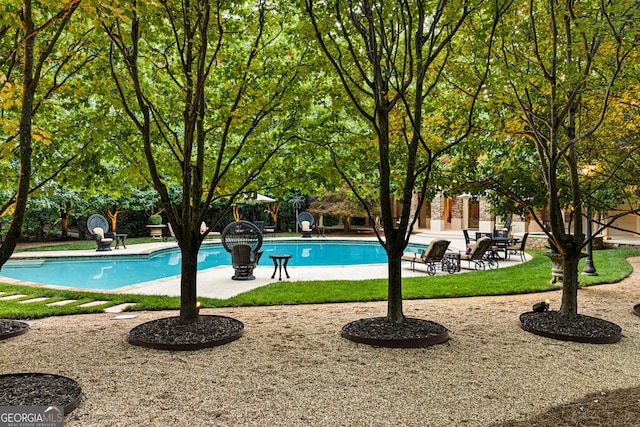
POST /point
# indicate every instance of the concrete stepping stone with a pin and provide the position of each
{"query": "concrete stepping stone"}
(124, 317)
(63, 302)
(93, 303)
(118, 308)
(10, 297)
(38, 299)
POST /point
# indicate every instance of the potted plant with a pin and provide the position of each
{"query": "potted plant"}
(155, 226)
(557, 263)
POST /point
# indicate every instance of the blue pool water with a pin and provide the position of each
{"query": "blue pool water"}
(111, 272)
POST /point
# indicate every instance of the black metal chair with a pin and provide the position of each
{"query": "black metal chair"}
(243, 240)
(518, 249)
(504, 229)
(467, 239)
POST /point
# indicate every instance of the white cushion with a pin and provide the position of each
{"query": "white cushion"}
(306, 226)
(99, 232)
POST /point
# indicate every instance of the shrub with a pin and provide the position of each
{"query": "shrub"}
(155, 220)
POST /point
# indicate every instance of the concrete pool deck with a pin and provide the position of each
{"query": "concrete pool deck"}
(217, 283)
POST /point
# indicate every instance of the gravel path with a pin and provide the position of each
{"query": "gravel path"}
(292, 368)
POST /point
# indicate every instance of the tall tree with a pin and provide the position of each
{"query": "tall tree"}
(39, 57)
(396, 60)
(554, 83)
(206, 83)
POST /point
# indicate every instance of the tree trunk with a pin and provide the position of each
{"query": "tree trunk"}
(113, 217)
(188, 281)
(569, 305)
(394, 299)
(64, 218)
(29, 87)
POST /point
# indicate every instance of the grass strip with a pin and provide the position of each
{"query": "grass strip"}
(532, 276)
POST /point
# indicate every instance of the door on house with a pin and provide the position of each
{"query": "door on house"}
(474, 214)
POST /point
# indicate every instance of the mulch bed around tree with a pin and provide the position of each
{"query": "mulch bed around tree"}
(171, 333)
(11, 328)
(36, 389)
(378, 331)
(611, 408)
(578, 328)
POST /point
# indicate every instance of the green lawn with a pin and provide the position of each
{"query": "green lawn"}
(533, 276)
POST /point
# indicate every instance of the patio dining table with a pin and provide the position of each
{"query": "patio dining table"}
(503, 243)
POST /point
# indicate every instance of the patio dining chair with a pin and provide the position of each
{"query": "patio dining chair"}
(518, 249)
(468, 241)
(503, 230)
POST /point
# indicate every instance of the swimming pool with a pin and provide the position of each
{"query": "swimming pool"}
(112, 272)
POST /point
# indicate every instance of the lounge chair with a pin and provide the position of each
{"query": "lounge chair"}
(306, 223)
(243, 240)
(98, 226)
(494, 247)
(433, 257)
(518, 249)
(480, 254)
(269, 229)
(323, 229)
(260, 225)
(361, 228)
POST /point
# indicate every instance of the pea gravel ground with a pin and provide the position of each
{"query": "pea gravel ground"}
(292, 368)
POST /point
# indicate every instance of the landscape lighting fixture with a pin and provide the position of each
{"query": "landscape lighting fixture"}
(541, 306)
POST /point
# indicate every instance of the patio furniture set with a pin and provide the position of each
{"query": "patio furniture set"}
(482, 252)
